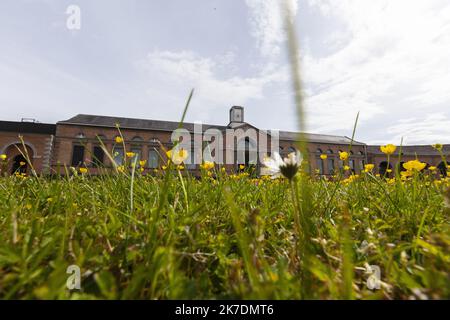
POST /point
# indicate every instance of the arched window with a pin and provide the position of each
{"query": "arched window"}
(153, 158)
(154, 140)
(382, 169)
(137, 139)
(291, 149)
(329, 151)
(100, 137)
(319, 151)
(80, 136)
(442, 168)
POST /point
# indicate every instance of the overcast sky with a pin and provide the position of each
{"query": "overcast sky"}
(388, 59)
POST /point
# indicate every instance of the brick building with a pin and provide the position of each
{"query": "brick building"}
(78, 141)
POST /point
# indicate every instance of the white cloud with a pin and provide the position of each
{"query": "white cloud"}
(394, 57)
(173, 72)
(422, 131)
(266, 24)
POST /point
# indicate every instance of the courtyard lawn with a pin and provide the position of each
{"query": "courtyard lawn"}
(166, 235)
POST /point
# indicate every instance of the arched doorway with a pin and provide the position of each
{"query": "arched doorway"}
(383, 167)
(247, 152)
(17, 155)
(19, 164)
(442, 168)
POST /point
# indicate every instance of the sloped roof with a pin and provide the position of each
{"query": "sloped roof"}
(318, 138)
(144, 124)
(420, 150)
(131, 123)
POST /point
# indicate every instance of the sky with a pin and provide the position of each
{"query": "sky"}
(389, 60)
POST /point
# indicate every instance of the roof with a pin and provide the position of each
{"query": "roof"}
(131, 123)
(318, 138)
(144, 124)
(27, 127)
(422, 150)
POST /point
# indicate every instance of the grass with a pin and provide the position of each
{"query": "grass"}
(172, 236)
(232, 236)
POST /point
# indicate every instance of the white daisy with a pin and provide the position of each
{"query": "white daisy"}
(288, 167)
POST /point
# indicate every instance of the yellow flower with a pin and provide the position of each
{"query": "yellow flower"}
(389, 170)
(241, 166)
(346, 168)
(180, 167)
(207, 165)
(223, 169)
(121, 168)
(369, 167)
(83, 170)
(130, 154)
(343, 155)
(28, 206)
(142, 163)
(141, 169)
(323, 156)
(164, 167)
(177, 156)
(388, 149)
(22, 163)
(414, 165)
(3, 156)
(432, 168)
(49, 199)
(437, 146)
(118, 139)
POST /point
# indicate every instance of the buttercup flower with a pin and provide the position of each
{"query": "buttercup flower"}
(177, 156)
(118, 139)
(3, 156)
(207, 165)
(388, 149)
(343, 155)
(288, 167)
(130, 154)
(323, 156)
(369, 167)
(437, 146)
(22, 163)
(346, 168)
(83, 170)
(142, 163)
(414, 165)
(121, 168)
(432, 168)
(241, 166)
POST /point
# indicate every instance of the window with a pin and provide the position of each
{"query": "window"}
(98, 156)
(118, 156)
(320, 165)
(291, 149)
(138, 154)
(330, 166)
(351, 164)
(329, 151)
(362, 163)
(191, 165)
(77, 155)
(319, 151)
(153, 159)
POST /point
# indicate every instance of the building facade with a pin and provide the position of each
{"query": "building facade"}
(81, 141)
